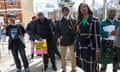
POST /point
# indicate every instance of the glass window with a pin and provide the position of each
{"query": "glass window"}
(12, 2)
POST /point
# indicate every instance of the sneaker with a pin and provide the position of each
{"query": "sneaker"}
(18, 70)
(45, 68)
(38, 55)
(27, 70)
(54, 68)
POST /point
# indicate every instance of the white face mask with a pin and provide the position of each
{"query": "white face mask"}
(17, 21)
(57, 18)
(66, 17)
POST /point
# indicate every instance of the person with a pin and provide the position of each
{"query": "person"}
(118, 17)
(88, 38)
(108, 51)
(16, 45)
(29, 31)
(41, 30)
(54, 40)
(65, 31)
(3, 33)
(116, 45)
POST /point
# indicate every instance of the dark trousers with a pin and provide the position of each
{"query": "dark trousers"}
(118, 54)
(115, 62)
(15, 53)
(46, 59)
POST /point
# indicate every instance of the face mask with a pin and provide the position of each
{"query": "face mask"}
(66, 17)
(17, 21)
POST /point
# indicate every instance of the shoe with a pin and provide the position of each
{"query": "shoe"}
(114, 70)
(103, 68)
(38, 55)
(63, 71)
(18, 70)
(27, 70)
(45, 68)
(54, 68)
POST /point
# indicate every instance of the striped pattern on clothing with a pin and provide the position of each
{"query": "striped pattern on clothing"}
(86, 44)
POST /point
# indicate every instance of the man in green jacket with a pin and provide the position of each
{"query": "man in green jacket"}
(109, 51)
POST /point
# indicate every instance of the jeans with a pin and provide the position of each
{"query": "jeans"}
(15, 53)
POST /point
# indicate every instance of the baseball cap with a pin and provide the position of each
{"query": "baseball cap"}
(11, 15)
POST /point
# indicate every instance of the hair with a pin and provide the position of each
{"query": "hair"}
(111, 9)
(40, 13)
(65, 9)
(80, 14)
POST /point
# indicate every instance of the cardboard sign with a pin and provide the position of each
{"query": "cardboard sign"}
(41, 47)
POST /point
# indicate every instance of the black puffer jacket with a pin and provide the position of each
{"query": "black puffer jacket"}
(43, 30)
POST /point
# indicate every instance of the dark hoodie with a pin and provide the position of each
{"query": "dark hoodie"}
(43, 30)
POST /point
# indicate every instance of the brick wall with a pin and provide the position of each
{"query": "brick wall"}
(8, 6)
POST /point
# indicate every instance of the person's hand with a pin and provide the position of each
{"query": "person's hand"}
(4, 26)
(118, 35)
(97, 52)
(61, 37)
(77, 28)
(113, 33)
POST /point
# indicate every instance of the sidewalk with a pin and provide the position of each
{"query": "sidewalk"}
(35, 65)
(7, 63)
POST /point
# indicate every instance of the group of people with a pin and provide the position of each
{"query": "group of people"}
(86, 38)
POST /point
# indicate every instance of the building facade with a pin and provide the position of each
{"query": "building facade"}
(11, 6)
(27, 11)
